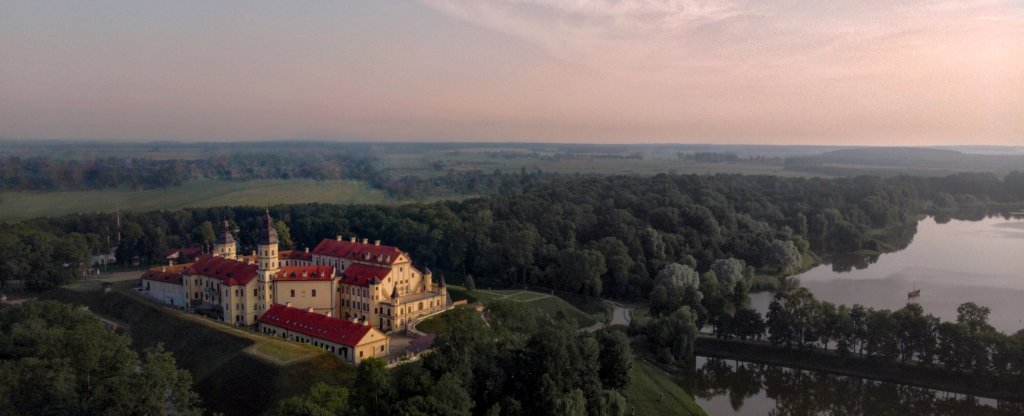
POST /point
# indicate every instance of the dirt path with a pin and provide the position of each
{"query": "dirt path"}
(620, 316)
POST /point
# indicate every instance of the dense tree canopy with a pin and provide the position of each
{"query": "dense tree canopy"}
(593, 235)
(58, 359)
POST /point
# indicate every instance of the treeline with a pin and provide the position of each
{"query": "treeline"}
(797, 320)
(45, 173)
(519, 363)
(57, 358)
(601, 236)
(49, 174)
(683, 301)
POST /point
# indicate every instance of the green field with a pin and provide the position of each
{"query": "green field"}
(548, 304)
(653, 392)
(16, 206)
(228, 379)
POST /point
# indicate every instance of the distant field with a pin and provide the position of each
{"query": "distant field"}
(654, 393)
(651, 164)
(206, 193)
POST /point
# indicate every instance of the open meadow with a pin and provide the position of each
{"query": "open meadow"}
(15, 206)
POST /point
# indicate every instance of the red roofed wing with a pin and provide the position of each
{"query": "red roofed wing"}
(324, 327)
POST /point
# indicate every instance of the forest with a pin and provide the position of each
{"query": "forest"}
(593, 235)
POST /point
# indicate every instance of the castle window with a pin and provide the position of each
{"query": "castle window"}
(293, 293)
(314, 293)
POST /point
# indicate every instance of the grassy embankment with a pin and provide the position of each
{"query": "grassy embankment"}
(228, 374)
(552, 306)
(16, 206)
(827, 361)
(653, 392)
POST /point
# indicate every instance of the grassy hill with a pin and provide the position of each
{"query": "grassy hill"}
(228, 379)
(16, 206)
(546, 303)
(654, 393)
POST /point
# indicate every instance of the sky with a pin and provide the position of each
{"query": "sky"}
(867, 72)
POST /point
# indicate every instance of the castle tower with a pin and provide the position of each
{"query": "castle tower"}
(225, 245)
(269, 263)
(428, 280)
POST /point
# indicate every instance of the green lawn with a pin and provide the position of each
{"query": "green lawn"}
(546, 303)
(653, 392)
(228, 379)
(16, 206)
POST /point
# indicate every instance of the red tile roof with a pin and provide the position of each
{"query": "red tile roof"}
(358, 251)
(295, 255)
(166, 274)
(229, 272)
(324, 327)
(305, 273)
(361, 274)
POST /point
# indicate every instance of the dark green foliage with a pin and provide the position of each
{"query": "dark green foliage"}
(58, 359)
(586, 234)
(522, 364)
(797, 320)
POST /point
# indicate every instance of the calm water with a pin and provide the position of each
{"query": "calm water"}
(728, 387)
(952, 263)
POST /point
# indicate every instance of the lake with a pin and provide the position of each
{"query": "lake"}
(952, 263)
(729, 387)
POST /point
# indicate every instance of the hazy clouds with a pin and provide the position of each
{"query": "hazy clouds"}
(881, 72)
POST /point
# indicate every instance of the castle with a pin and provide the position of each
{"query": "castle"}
(343, 292)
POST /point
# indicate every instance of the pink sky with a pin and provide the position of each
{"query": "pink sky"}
(776, 72)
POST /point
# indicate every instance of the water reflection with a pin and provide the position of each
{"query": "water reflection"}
(729, 387)
(960, 261)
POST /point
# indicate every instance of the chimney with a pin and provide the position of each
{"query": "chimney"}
(366, 241)
(310, 309)
(376, 242)
(254, 253)
(307, 249)
(288, 304)
(352, 240)
(338, 238)
(163, 269)
(329, 314)
(355, 320)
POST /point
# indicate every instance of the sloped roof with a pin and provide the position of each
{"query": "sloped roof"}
(305, 273)
(166, 274)
(361, 274)
(295, 255)
(229, 272)
(358, 251)
(327, 328)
